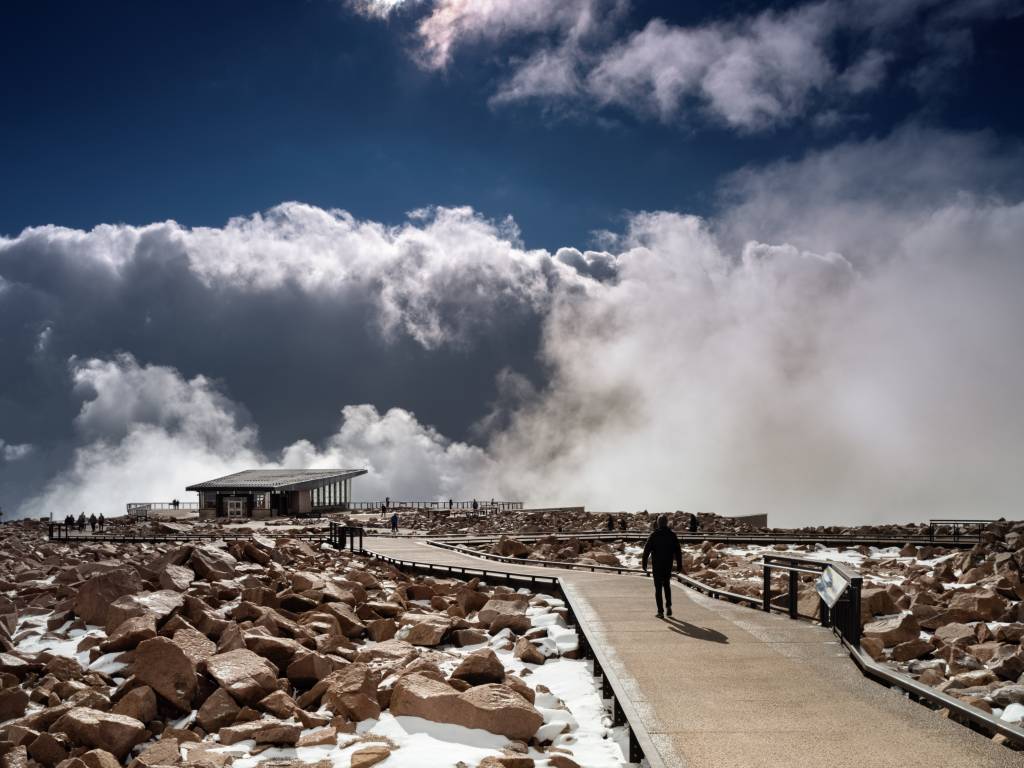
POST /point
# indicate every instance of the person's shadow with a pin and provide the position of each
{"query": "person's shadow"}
(681, 627)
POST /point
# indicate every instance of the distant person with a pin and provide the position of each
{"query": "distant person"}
(387, 502)
(694, 524)
(394, 524)
(475, 506)
(383, 510)
(102, 521)
(610, 523)
(622, 523)
(92, 522)
(662, 548)
(175, 503)
(451, 504)
(81, 522)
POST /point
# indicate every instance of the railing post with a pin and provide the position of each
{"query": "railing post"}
(854, 621)
(792, 594)
(766, 594)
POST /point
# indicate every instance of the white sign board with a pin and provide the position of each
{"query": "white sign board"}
(830, 586)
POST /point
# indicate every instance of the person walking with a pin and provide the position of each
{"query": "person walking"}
(451, 504)
(662, 548)
(694, 525)
(475, 506)
(610, 523)
(394, 524)
(81, 521)
(622, 523)
(102, 521)
(92, 522)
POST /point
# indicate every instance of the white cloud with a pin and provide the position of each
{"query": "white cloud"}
(13, 452)
(149, 433)
(748, 71)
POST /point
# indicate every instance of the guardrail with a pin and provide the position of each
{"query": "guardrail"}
(641, 747)
(462, 506)
(957, 525)
(338, 534)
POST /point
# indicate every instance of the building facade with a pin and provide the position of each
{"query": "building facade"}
(263, 493)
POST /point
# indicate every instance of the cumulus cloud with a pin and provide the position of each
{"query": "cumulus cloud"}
(838, 343)
(148, 432)
(748, 71)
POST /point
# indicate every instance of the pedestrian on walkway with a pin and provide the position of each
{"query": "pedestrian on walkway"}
(610, 523)
(81, 521)
(451, 503)
(92, 522)
(394, 524)
(475, 506)
(622, 523)
(102, 521)
(693, 523)
(662, 548)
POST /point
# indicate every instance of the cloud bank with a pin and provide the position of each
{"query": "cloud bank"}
(837, 344)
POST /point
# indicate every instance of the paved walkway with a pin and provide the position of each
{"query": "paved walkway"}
(722, 686)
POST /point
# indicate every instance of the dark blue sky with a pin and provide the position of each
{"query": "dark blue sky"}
(198, 111)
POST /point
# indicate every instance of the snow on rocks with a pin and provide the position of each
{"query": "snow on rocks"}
(258, 651)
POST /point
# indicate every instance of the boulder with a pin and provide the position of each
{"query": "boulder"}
(427, 629)
(515, 606)
(116, 734)
(875, 601)
(243, 674)
(162, 665)
(381, 629)
(463, 637)
(48, 749)
(176, 577)
(509, 547)
(517, 624)
(13, 703)
(912, 649)
(955, 634)
(212, 564)
(139, 703)
(527, 652)
(480, 667)
(278, 733)
(96, 595)
(217, 711)
(352, 691)
(197, 646)
(983, 605)
(494, 708)
(308, 668)
(130, 633)
(364, 757)
(164, 752)
(99, 758)
(160, 605)
(893, 630)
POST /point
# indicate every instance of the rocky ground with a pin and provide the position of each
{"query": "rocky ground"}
(951, 618)
(270, 651)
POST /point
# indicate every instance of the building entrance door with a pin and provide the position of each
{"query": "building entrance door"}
(234, 506)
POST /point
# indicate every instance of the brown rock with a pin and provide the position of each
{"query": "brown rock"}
(160, 605)
(1007, 662)
(955, 634)
(979, 606)
(381, 629)
(47, 749)
(517, 684)
(326, 735)
(246, 676)
(278, 733)
(561, 761)
(515, 606)
(506, 761)
(463, 637)
(217, 711)
(418, 695)
(912, 649)
(352, 691)
(96, 595)
(130, 633)
(517, 624)
(427, 629)
(873, 647)
(308, 668)
(13, 703)
(527, 652)
(894, 630)
(176, 577)
(197, 646)
(279, 704)
(99, 758)
(875, 601)
(139, 703)
(212, 564)
(164, 752)
(116, 734)
(162, 665)
(480, 667)
(497, 709)
(368, 756)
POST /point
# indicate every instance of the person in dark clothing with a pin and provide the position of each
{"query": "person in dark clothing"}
(475, 506)
(102, 521)
(451, 503)
(622, 523)
(394, 524)
(92, 522)
(662, 548)
(81, 522)
(611, 523)
(693, 524)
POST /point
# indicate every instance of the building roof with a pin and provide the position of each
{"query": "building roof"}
(276, 479)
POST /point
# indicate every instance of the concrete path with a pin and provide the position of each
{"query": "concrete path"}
(722, 686)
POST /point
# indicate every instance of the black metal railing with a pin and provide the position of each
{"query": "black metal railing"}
(339, 535)
(843, 616)
(957, 527)
(392, 505)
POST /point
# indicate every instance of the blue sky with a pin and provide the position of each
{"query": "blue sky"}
(128, 112)
(747, 256)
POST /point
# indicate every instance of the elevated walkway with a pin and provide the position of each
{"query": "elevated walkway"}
(722, 686)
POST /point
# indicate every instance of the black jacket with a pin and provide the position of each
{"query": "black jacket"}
(663, 547)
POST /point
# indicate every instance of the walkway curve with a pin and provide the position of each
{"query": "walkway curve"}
(722, 686)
